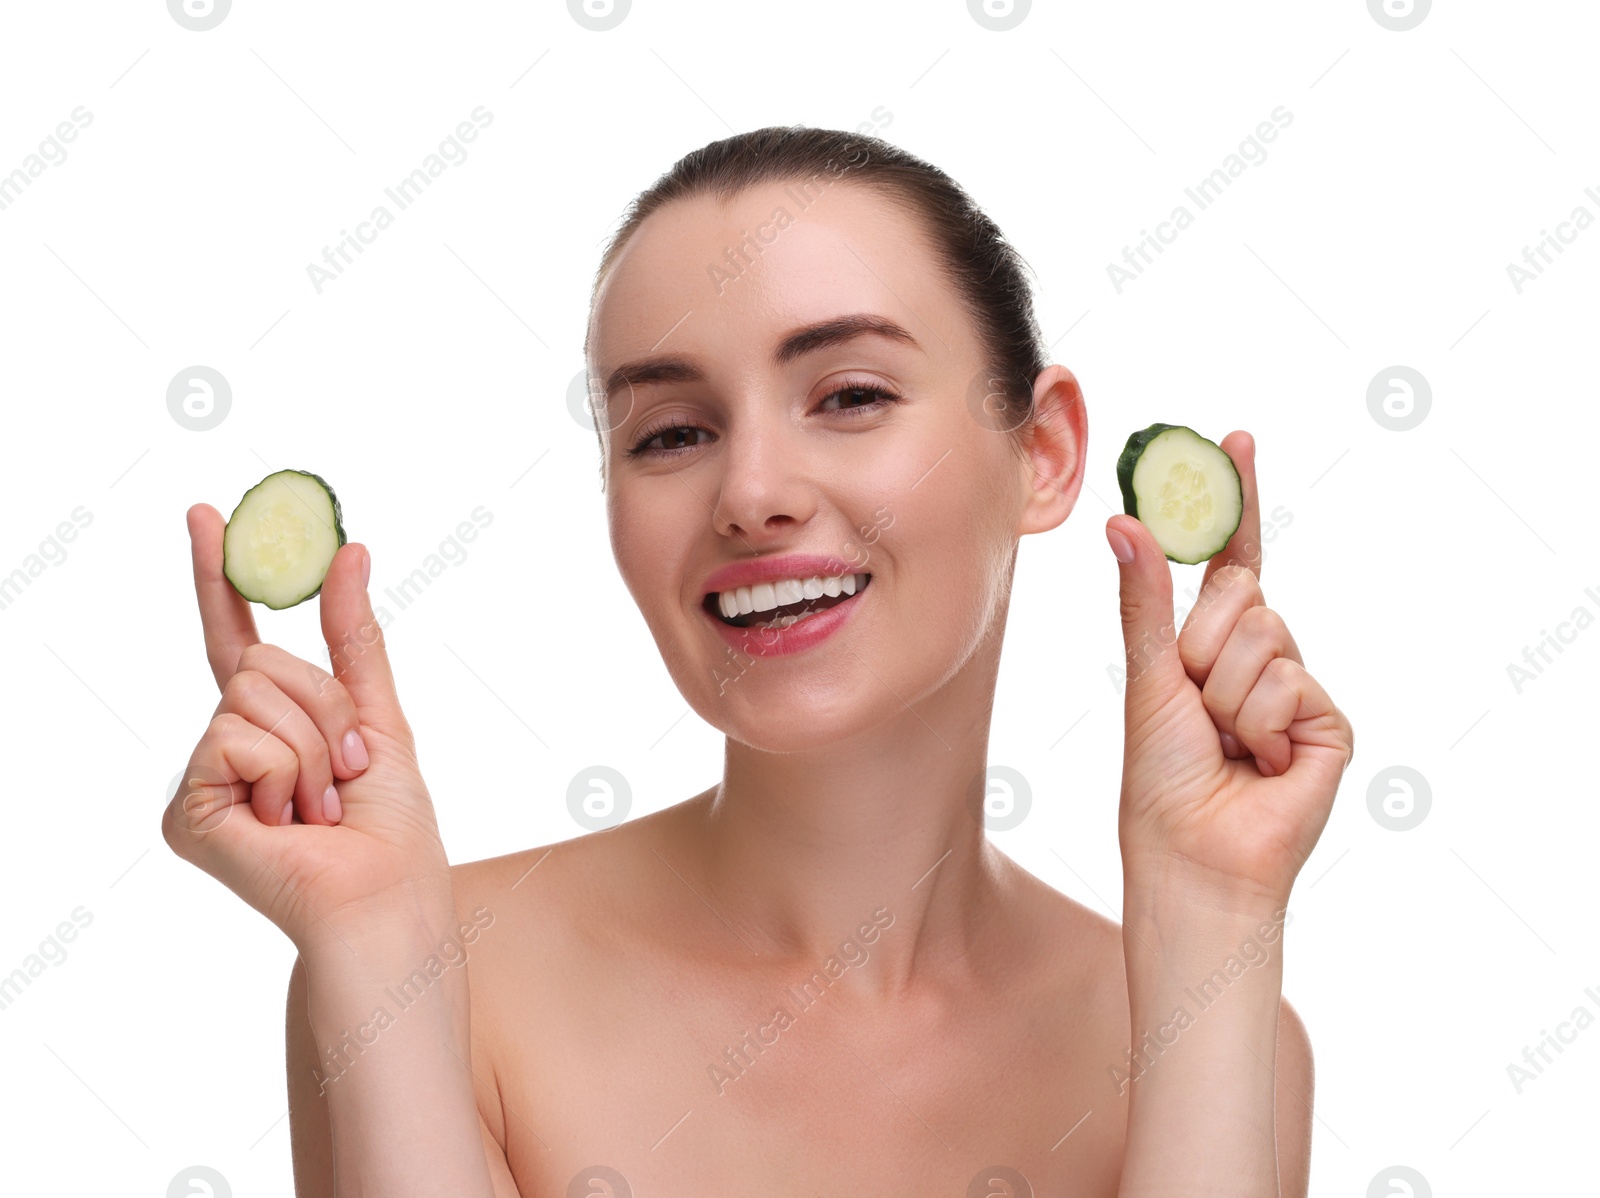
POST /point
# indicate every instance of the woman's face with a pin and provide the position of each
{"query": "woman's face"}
(748, 451)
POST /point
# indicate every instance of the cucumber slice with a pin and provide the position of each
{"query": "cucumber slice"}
(1183, 488)
(281, 538)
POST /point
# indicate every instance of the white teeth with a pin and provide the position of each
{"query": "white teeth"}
(764, 596)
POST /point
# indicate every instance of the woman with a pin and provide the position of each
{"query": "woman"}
(821, 388)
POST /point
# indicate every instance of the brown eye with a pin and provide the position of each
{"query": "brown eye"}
(875, 397)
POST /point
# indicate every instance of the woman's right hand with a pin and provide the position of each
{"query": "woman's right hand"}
(279, 739)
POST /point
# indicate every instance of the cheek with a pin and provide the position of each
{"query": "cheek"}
(949, 544)
(646, 548)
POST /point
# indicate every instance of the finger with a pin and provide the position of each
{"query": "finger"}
(257, 698)
(236, 756)
(1149, 638)
(224, 613)
(1289, 719)
(1244, 547)
(1258, 636)
(1210, 622)
(356, 646)
(321, 696)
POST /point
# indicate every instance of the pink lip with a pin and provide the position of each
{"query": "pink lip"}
(769, 569)
(796, 638)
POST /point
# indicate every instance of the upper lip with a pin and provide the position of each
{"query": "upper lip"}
(769, 569)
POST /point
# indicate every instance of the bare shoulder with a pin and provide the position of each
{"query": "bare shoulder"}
(565, 888)
(1086, 946)
(1092, 966)
(553, 929)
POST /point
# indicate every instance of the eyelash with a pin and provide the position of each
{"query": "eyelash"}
(671, 424)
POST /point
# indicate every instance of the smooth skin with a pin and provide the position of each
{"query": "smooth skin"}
(623, 1002)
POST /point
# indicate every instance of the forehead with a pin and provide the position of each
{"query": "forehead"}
(730, 276)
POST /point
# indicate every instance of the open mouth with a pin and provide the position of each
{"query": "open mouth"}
(784, 615)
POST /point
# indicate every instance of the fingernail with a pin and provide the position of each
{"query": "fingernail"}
(355, 750)
(1120, 545)
(288, 813)
(366, 568)
(1230, 744)
(330, 804)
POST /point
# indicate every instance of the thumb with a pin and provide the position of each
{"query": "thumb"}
(1149, 633)
(357, 651)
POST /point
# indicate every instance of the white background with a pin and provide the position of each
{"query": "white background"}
(432, 377)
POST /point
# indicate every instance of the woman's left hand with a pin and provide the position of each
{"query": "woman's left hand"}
(1233, 751)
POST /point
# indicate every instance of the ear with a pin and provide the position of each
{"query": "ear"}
(1057, 440)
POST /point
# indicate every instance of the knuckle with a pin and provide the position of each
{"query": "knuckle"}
(1212, 701)
(283, 753)
(224, 724)
(247, 684)
(321, 681)
(256, 655)
(1262, 623)
(1236, 575)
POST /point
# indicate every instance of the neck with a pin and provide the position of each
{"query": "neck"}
(870, 850)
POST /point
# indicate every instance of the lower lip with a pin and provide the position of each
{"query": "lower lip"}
(796, 638)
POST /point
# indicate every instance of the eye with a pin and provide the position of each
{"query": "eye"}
(864, 397)
(879, 396)
(668, 429)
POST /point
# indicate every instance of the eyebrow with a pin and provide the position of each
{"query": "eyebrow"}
(838, 330)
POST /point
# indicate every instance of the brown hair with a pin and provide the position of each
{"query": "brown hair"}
(985, 270)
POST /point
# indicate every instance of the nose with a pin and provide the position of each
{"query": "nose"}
(764, 490)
